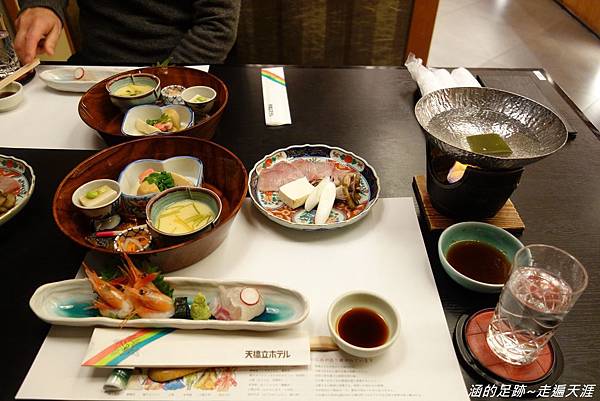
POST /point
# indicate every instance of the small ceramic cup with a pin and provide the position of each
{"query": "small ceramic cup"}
(172, 94)
(201, 107)
(489, 234)
(11, 96)
(104, 216)
(372, 302)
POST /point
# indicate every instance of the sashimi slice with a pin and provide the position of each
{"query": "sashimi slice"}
(315, 170)
(272, 178)
(9, 185)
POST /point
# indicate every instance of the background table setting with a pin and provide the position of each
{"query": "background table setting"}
(391, 251)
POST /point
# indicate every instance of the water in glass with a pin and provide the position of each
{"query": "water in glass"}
(9, 62)
(532, 305)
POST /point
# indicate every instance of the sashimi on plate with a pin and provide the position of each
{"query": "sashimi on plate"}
(312, 187)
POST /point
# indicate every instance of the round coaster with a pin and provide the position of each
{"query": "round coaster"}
(470, 340)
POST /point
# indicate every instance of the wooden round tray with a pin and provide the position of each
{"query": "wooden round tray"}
(97, 111)
(224, 173)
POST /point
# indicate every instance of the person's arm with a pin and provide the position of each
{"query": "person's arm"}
(38, 27)
(212, 35)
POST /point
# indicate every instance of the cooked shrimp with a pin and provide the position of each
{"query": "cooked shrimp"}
(111, 301)
(138, 278)
(150, 303)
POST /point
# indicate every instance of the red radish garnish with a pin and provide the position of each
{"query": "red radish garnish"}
(78, 73)
(250, 296)
(145, 174)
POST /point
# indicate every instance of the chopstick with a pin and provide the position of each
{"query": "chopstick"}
(114, 233)
(19, 73)
(322, 344)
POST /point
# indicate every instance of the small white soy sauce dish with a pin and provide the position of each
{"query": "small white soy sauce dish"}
(363, 324)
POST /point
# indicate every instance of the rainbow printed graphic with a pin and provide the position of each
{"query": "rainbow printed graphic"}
(119, 351)
(273, 77)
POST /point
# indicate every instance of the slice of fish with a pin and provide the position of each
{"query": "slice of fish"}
(9, 185)
(272, 178)
(315, 170)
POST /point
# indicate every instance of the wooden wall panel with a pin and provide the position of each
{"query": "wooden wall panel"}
(588, 11)
(422, 22)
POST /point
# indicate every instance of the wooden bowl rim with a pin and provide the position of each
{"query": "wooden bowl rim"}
(144, 70)
(221, 222)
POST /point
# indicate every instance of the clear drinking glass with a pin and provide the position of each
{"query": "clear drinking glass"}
(9, 62)
(544, 284)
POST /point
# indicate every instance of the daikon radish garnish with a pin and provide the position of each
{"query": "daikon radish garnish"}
(325, 202)
(250, 296)
(313, 198)
(78, 73)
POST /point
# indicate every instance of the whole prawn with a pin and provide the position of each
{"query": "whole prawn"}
(111, 302)
(148, 301)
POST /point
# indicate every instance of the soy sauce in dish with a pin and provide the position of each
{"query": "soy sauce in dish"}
(479, 261)
(6, 94)
(363, 327)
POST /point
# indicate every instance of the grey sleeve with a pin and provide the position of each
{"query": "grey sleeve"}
(58, 6)
(212, 35)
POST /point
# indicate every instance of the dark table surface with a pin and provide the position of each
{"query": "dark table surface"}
(364, 110)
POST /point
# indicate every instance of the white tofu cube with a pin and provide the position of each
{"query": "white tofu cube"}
(294, 193)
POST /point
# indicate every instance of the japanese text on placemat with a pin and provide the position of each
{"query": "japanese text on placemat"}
(543, 391)
(267, 354)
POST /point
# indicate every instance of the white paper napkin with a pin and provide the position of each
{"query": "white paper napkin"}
(277, 108)
(463, 77)
(431, 79)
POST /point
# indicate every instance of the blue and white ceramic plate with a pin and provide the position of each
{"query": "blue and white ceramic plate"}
(342, 161)
(15, 169)
(146, 112)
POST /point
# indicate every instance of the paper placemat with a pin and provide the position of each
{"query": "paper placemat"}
(383, 253)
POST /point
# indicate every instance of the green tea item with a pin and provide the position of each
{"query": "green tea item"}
(489, 144)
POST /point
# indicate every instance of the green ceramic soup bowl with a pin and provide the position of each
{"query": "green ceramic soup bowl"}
(127, 100)
(489, 234)
(167, 198)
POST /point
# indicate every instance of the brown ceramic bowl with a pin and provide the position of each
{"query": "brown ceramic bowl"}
(98, 112)
(224, 174)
